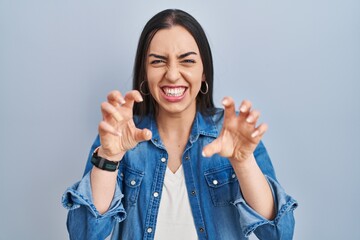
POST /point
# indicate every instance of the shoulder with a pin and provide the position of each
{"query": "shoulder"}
(142, 121)
(217, 118)
(209, 124)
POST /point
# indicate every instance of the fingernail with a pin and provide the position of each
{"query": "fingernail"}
(254, 134)
(243, 109)
(122, 101)
(250, 119)
(225, 102)
(203, 154)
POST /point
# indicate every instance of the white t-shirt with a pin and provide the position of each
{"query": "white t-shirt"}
(175, 220)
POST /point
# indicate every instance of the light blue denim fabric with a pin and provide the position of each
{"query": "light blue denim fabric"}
(218, 207)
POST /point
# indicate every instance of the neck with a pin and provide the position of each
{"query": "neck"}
(175, 125)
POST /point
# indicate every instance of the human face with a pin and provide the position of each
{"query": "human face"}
(174, 71)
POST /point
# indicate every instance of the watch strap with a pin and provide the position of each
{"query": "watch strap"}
(103, 163)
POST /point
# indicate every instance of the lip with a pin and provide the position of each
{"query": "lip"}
(173, 93)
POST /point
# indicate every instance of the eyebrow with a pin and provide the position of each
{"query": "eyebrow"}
(184, 55)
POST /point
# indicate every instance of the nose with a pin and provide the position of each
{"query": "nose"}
(172, 73)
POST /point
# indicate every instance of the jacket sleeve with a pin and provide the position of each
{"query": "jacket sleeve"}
(282, 226)
(84, 221)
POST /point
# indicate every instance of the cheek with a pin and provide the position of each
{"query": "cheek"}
(154, 75)
(194, 75)
(153, 78)
(197, 72)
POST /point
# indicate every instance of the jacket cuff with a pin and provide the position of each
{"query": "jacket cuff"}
(250, 220)
(80, 194)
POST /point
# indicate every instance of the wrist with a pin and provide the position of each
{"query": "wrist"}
(112, 157)
(103, 163)
(244, 164)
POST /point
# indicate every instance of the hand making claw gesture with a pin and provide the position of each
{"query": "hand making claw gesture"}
(239, 135)
(117, 130)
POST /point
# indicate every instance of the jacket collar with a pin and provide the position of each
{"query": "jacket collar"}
(202, 125)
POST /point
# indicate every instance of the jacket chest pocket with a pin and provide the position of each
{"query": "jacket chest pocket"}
(223, 185)
(130, 184)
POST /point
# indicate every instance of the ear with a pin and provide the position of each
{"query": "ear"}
(203, 77)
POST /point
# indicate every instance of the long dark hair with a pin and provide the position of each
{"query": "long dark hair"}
(165, 20)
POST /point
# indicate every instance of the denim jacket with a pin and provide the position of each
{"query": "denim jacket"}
(218, 207)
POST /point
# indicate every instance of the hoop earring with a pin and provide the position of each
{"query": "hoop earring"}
(140, 89)
(207, 88)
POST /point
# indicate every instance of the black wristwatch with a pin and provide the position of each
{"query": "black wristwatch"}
(103, 163)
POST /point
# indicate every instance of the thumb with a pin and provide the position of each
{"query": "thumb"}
(142, 135)
(212, 148)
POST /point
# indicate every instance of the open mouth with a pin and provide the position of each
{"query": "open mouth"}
(174, 91)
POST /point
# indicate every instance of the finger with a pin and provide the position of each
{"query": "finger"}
(253, 117)
(109, 110)
(115, 98)
(105, 127)
(229, 107)
(245, 108)
(142, 135)
(212, 148)
(259, 131)
(131, 97)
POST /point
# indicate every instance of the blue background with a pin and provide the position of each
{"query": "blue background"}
(297, 61)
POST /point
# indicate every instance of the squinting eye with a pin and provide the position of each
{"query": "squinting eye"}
(188, 61)
(156, 61)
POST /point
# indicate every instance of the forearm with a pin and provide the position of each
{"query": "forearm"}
(254, 187)
(84, 221)
(103, 187)
(103, 184)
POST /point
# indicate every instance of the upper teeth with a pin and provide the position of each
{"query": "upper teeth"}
(174, 92)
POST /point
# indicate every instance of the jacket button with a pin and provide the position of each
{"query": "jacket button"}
(149, 230)
(193, 192)
(156, 194)
(233, 175)
(133, 182)
(201, 229)
(163, 160)
(187, 158)
(215, 182)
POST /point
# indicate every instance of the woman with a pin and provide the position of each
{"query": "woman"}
(167, 164)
